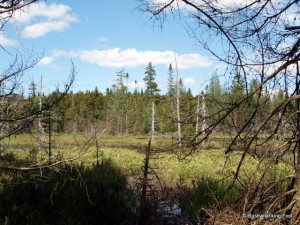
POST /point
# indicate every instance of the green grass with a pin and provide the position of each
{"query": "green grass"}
(171, 169)
(69, 140)
(201, 178)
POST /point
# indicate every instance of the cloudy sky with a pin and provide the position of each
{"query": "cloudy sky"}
(102, 37)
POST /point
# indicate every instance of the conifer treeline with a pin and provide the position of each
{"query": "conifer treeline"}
(121, 111)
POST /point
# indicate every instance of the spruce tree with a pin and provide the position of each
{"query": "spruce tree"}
(152, 87)
(151, 90)
(171, 85)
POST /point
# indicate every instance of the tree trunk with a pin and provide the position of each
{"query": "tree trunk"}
(296, 198)
(107, 119)
(178, 103)
(153, 121)
(118, 124)
(41, 131)
(203, 114)
(197, 118)
(49, 138)
(143, 209)
(2, 119)
(126, 123)
(296, 207)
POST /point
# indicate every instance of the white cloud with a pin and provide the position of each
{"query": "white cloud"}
(193, 60)
(221, 4)
(234, 2)
(6, 41)
(45, 61)
(189, 81)
(116, 57)
(40, 19)
(41, 29)
(42, 10)
(182, 5)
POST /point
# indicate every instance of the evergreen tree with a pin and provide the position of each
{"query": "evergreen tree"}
(171, 85)
(181, 86)
(151, 90)
(214, 100)
(32, 90)
(214, 89)
(152, 87)
(119, 101)
(237, 92)
(108, 92)
(238, 87)
(168, 108)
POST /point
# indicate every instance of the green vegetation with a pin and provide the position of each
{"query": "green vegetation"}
(207, 193)
(172, 167)
(89, 194)
(238, 142)
(65, 141)
(71, 194)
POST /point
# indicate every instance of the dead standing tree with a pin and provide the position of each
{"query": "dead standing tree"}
(258, 40)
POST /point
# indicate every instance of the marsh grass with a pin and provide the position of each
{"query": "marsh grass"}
(207, 193)
(65, 141)
(201, 179)
(170, 168)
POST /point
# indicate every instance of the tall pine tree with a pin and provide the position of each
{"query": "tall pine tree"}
(152, 87)
(151, 90)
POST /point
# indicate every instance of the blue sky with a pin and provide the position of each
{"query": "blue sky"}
(102, 37)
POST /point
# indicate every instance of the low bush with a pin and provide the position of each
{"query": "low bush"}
(75, 195)
(206, 193)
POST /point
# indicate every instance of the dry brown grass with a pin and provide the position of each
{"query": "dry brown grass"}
(229, 216)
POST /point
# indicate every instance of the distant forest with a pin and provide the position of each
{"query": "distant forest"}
(123, 112)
